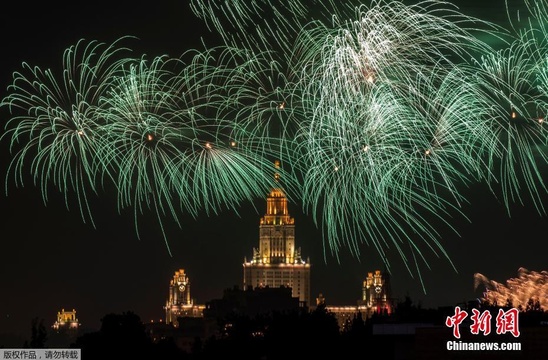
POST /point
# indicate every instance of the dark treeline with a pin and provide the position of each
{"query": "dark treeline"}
(277, 335)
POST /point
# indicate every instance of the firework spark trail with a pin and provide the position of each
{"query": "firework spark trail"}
(172, 142)
(383, 114)
(536, 37)
(158, 130)
(513, 79)
(363, 178)
(384, 132)
(518, 291)
(57, 120)
(256, 25)
(141, 139)
(265, 25)
(263, 113)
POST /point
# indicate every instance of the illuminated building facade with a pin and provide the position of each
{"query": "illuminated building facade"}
(376, 299)
(64, 331)
(376, 294)
(66, 320)
(277, 262)
(179, 303)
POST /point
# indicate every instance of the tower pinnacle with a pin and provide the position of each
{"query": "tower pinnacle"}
(277, 166)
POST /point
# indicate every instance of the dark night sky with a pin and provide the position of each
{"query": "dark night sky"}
(50, 259)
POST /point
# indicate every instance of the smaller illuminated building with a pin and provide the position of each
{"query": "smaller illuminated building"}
(376, 299)
(376, 294)
(65, 330)
(66, 320)
(179, 303)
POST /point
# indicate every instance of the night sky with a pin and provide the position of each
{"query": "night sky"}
(50, 259)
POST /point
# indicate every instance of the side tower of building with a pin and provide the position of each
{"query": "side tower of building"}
(376, 294)
(179, 303)
(376, 299)
(277, 261)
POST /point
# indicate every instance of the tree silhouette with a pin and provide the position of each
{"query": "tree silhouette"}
(39, 335)
(122, 336)
(533, 305)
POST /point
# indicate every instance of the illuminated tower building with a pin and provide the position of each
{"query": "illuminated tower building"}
(66, 320)
(179, 303)
(65, 330)
(376, 294)
(277, 262)
(376, 299)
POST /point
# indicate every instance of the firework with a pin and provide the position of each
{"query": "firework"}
(171, 138)
(511, 78)
(381, 115)
(55, 118)
(163, 133)
(518, 292)
(390, 131)
(265, 25)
